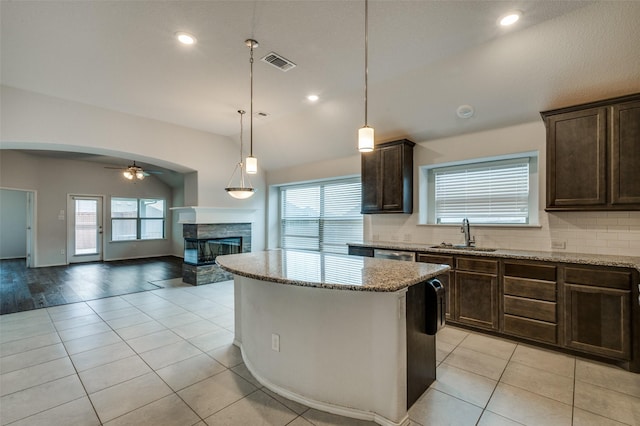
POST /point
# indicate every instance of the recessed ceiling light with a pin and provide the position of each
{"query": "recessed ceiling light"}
(185, 38)
(510, 18)
(313, 98)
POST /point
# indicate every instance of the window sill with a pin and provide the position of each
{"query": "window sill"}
(481, 225)
(138, 241)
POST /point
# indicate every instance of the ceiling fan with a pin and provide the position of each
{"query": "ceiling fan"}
(135, 172)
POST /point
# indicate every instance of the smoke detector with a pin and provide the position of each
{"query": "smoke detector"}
(283, 64)
(465, 111)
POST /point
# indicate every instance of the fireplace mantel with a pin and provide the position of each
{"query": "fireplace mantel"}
(199, 215)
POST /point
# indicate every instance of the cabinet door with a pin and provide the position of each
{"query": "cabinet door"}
(576, 158)
(625, 154)
(598, 320)
(476, 299)
(387, 178)
(371, 189)
(392, 185)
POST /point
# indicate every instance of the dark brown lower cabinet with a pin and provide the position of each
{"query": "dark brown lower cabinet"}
(598, 320)
(530, 301)
(598, 310)
(588, 309)
(477, 293)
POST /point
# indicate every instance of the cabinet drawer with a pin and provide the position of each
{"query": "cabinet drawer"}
(531, 329)
(477, 265)
(598, 277)
(532, 271)
(432, 258)
(533, 289)
(529, 308)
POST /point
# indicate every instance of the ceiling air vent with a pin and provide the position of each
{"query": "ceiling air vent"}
(278, 61)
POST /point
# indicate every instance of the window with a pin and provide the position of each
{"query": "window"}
(321, 216)
(499, 192)
(137, 219)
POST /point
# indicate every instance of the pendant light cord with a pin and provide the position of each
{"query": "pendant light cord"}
(366, 58)
(241, 112)
(251, 106)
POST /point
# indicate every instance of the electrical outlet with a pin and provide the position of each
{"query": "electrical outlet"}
(407, 238)
(558, 244)
(275, 342)
(61, 251)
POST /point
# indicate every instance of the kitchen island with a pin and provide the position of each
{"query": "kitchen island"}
(342, 334)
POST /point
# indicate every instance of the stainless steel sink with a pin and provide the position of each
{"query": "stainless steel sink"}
(460, 247)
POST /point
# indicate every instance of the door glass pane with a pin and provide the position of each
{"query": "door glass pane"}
(86, 230)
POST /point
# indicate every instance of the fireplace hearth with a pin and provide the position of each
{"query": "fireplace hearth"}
(204, 242)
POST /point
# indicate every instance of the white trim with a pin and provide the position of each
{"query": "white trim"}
(319, 405)
(209, 215)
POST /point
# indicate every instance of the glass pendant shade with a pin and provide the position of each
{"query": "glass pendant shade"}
(127, 174)
(251, 165)
(140, 174)
(365, 139)
(240, 193)
(242, 189)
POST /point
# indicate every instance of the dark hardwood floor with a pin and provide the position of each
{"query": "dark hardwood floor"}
(23, 289)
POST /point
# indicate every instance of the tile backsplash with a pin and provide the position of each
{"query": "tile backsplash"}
(613, 233)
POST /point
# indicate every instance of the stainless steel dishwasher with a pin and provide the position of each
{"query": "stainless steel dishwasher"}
(395, 255)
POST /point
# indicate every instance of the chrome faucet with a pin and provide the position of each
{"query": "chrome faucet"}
(469, 241)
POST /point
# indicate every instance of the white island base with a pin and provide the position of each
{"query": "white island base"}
(344, 352)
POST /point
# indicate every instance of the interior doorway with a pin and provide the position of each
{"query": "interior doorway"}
(17, 224)
(84, 232)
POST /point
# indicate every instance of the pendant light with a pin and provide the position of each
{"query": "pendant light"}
(251, 161)
(244, 190)
(365, 133)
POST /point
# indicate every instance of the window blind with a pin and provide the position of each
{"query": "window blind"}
(489, 193)
(322, 216)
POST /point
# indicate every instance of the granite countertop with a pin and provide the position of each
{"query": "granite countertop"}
(332, 271)
(561, 257)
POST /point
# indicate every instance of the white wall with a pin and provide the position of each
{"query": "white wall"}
(33, 121)
(614, 233)
(13, 224)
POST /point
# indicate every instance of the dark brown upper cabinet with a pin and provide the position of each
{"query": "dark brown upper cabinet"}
(593, 155)
(387, 178)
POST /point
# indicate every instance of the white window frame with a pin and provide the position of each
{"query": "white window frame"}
(346, 179)
(427, 188)
(139, 219)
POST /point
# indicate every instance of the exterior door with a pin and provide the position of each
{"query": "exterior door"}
(84, 243)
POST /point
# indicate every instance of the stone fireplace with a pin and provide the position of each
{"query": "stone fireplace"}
(204, 242)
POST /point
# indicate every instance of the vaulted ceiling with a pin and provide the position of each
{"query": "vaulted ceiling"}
(426, 58)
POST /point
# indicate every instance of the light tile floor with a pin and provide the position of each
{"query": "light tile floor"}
(165, 357)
